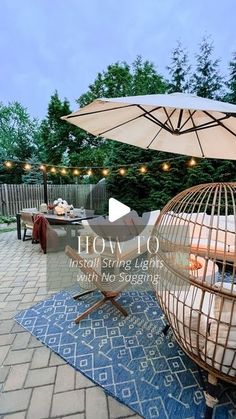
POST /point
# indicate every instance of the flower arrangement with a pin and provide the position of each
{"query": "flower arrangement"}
(60, 203)
(61, 206)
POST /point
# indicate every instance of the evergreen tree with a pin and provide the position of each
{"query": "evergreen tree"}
(145, 80)
(179, 70)
(55, 134)
(231, 95)
(114, 82)
(18, 139)
(3, 170)
(206, 80)
(33, 176)
(18, 132)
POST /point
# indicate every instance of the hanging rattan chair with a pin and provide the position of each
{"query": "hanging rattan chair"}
(196, 264)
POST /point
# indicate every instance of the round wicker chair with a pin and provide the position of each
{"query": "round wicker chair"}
(197, 271)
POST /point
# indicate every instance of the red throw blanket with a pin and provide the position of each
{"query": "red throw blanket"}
(44, 233)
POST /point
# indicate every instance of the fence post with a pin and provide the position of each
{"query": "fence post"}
(6, 199)
(45, 187)
(91, 196)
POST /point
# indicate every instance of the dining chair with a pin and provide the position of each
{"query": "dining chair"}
(50, 238)
(28, 224)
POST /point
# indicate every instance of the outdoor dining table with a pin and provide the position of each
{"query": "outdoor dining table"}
(54, 219)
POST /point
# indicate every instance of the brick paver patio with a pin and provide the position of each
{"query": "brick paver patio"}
(35, 382)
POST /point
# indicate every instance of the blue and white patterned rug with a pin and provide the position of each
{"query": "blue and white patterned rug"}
(128, 357)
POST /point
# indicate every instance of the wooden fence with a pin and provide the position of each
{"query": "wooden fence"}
(15, 197)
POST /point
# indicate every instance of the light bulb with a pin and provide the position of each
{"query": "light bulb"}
(27, 166)
(105, 172)
(122, 171)
(143, 169)
(8, 164)
(89, 172)
(165, 167)
(75, 172)
(63, 171)
(53, 170)
(192, 162)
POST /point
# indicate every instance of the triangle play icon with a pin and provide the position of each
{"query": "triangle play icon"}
(117, 210)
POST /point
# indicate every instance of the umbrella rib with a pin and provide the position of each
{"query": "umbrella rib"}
(220, 123)
(126, 122)
(99, 111)
(155, 136)
(168, 119)
(152, 118)
(180, 118)
(188, 119)
(204, 126)
(157, 122)
(199, 142)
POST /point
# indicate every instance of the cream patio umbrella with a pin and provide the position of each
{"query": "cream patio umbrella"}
(177, 123)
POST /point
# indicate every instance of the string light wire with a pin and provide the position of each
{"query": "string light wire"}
(142, 167)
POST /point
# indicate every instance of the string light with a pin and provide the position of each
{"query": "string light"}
(192, 162)
(122, 171)
(105, 172)
(143, 169)
(27, 166)
(165, 167)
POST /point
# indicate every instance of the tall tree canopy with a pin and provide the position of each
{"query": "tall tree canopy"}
(231, 96)
(55, 135)
(179, 70)
(121, 79)
(18, 139)
(207, 80)
(18, 132)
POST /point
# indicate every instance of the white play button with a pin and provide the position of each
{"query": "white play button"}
(117, 209)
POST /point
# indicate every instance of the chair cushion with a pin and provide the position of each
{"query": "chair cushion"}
(188, 311)
(221, 344)
(60, 231)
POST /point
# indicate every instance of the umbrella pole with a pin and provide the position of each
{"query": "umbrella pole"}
(45, 187)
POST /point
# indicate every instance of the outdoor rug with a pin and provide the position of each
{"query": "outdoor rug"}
(128, 357)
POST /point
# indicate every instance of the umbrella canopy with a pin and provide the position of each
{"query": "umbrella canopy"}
(177, 123)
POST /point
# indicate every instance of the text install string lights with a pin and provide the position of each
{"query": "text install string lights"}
(122, 170)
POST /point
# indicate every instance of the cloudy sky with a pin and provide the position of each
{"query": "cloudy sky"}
(62, 44)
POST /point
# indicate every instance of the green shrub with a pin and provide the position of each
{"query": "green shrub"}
(5, 219)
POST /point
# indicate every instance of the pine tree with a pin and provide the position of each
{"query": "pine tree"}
(34, 176)
(113, 82)
(206, 80)
(55, 134)
(231, 96)
(18, 132)
(179, 70)
(145, 80)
